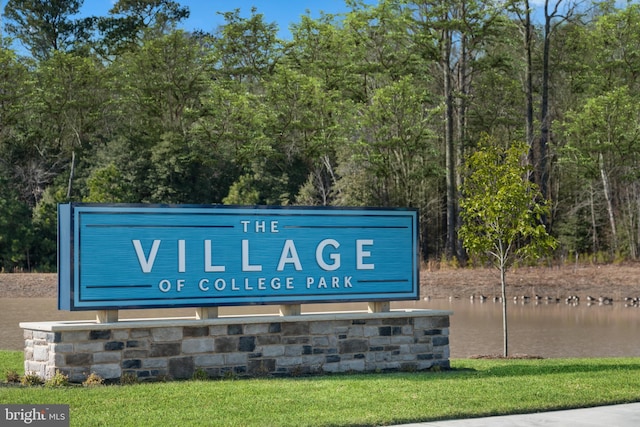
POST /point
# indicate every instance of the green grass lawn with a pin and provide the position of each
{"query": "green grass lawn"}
(472, 388)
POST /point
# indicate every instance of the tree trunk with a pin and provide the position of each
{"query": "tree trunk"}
(71, 173)
(503, 284)
(464, 88)
(545, 123)
(637, 199)
(594, 226)
(607, 196)
(528, 45)
(449, 147)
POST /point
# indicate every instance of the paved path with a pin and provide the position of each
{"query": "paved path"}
(627, 415)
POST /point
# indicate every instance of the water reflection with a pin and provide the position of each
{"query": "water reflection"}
(543, 329)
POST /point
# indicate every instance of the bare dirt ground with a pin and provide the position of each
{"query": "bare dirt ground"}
(613, 281)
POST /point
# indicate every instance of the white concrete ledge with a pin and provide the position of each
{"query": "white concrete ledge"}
(78, 325)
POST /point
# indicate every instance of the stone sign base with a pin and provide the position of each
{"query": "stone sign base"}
(248, 346)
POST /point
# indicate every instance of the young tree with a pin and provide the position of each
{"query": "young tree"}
(502, 211)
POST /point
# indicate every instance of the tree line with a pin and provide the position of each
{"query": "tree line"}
(379, 106)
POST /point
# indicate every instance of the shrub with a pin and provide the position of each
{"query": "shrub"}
(31, 379)
(92, 380)
(200, 375)
(129, 378)
(58, 380)
(12, 376)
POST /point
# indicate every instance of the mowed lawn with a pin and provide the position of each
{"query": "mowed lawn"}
(472, 388)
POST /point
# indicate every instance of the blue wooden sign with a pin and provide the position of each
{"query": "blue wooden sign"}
(147, 256)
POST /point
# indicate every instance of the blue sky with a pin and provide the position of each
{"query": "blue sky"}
(204, 16)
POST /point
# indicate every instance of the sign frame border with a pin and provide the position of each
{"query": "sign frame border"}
(68, 282)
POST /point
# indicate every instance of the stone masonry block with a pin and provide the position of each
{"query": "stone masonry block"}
(295, 340)
(256, 329)
(320, 341)
(340, 330)
(378, 341)
(39, 368)
(181, 367)
(293, 351)
(235, 359)
(207, 360)
(104, 334)
(356, 331)
(423, 323)
(321, 328)
(313, 360)
(195, 331)
(420, 348)
(247, 343)
(113, 346)
(267, 339)
(441, 322)
(384, 331)
(79, 359)
(440, 341)
(107, 357)
(398, 321)
(330, 368)
(61, 348)
(107, 371)
(44, 336)
(137, 344)
(234, 330)
(226, 344)
(76, 375)
(352, 365)
(57, 359)
(423, 365)
(75, 336)
(197, 345)
(120, 334)
(275, 328)
(165, 349)
(166, 334)
(135, 354)
(261, 367)
(370, 331)
(132, 364)
(89, 347)
(140, 333)
(41, 353)
(353, 346)
(273, 350)
(295, 328)
(401, 339)
(156, 362)
(217, 330)
(334, 358)
(289, 361)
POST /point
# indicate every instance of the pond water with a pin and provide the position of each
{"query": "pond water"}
(547, 330)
